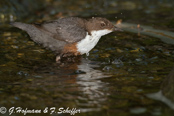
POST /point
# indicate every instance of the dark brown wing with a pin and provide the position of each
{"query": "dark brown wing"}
(70, 29)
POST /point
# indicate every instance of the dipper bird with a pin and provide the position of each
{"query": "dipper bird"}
(69, 36)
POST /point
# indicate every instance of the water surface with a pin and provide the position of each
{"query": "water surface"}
(129, 75)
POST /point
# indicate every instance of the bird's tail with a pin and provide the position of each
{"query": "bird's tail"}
(33, 32)
(22, 26)
(40, 36)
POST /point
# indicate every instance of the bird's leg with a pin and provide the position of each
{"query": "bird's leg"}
(58, 58)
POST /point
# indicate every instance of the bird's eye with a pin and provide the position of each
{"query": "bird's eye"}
(103, 24)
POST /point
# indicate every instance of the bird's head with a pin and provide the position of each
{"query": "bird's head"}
(101, 26)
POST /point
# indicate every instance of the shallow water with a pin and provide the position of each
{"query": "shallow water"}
(124, 77)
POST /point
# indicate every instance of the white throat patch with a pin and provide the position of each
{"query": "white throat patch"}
(89, 42)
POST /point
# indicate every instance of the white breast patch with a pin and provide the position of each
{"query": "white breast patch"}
(89, 42)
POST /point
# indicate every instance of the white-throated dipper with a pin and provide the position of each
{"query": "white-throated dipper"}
(69, 36)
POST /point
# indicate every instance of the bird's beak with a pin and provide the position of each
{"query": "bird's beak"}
(117, 29)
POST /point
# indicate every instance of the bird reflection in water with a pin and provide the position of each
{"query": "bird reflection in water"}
(78, 82)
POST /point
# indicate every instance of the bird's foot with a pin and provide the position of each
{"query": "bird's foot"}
(67, 59)
(58, 59)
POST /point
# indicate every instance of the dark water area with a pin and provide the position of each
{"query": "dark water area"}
(126, 74)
